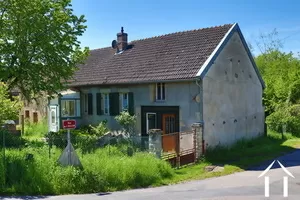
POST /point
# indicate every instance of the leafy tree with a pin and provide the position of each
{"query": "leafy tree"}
(39, 47)
(9, 106)
(281, 73)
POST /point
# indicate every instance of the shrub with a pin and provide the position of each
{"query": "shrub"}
(11, 140)
(82, 140)
(101, 129)
(127, 121)
(289, 116)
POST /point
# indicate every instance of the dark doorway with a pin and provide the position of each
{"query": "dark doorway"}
(165, 118)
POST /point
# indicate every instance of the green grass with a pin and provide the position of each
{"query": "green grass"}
(35, 131)
(104, 170)
(110, 169)
(239, 157)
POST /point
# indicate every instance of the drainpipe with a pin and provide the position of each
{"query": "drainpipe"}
(201, 111)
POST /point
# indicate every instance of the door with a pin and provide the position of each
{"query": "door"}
(150, 121)
(169, 140)
(53, 119)
(168, 124)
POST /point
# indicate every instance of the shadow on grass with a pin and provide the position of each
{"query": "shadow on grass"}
(257, 154)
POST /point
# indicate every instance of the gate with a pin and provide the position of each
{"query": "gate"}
(179, 148)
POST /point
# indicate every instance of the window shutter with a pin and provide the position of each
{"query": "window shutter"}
(114, 107)
(90, 103)
(152, 91)
(98, 100)
(130, 103)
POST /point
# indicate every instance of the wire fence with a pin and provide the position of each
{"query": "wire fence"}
(83, 144)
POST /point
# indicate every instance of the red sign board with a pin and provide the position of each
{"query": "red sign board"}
(69, 124)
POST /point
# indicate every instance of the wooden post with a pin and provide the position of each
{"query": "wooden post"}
(195, 144)
(22, 124)
(178, 150)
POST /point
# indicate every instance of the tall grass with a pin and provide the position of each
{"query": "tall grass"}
(102, 171)
(246, 152)
(35, 130)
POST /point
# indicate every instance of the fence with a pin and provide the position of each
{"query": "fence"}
(177, 148)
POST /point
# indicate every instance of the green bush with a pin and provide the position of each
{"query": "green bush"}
(99, 130)
(108, 169)
(11, 140)
(285, 116)
(79, 139)
(127, 121)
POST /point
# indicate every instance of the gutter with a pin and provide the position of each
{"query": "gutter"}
(201, 112)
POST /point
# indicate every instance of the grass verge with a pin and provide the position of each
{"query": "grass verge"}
(110, 169)
(104, 170)
(237, 158)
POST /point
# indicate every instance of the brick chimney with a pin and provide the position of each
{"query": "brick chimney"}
(122, 40)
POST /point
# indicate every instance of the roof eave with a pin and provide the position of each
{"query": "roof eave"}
(208, 63)
(135, 82)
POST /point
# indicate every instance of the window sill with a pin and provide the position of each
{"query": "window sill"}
(74, 117)
(160, 101)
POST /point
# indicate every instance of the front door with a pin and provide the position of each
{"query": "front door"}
(168, 123)
(168, 127)
(53, 119)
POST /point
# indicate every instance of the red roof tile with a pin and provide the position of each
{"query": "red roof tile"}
(168, 57)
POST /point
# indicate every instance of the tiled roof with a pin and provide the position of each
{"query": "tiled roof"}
(174, 56)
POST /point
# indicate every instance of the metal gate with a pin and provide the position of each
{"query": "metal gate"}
(179, 148)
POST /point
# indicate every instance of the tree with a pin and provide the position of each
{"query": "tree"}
(281, 73)
(39, 47)
(9, 107)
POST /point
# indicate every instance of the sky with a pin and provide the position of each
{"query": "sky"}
(148, 18)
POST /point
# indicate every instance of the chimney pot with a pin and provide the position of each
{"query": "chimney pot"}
(122, 40)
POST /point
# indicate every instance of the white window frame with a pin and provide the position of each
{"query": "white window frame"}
(161, 92)
(147, 120)
(75, 107)
(104, 98)
(122, 101)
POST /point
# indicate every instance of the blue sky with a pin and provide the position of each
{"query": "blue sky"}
(145, 18)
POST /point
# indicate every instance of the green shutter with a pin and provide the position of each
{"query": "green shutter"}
(98, 100)
(90, 104)
(130, 103)
(114, 104)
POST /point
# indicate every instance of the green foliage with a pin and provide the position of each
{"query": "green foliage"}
(79, 138)
(11, 140)
(127, 121)
(35, 130)
(39, 44)
(285, 116)
(100, 129)
(281, 73)
(107, 169)
(9, 107)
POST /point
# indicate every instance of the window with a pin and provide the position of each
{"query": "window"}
(53, 117)
(70, 108)
(124, 101)
(160, 92)
(106, 104)
(27, 114)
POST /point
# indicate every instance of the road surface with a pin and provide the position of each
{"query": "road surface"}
(243, 186)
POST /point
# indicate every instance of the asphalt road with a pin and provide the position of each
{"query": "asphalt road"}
(244, 185)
